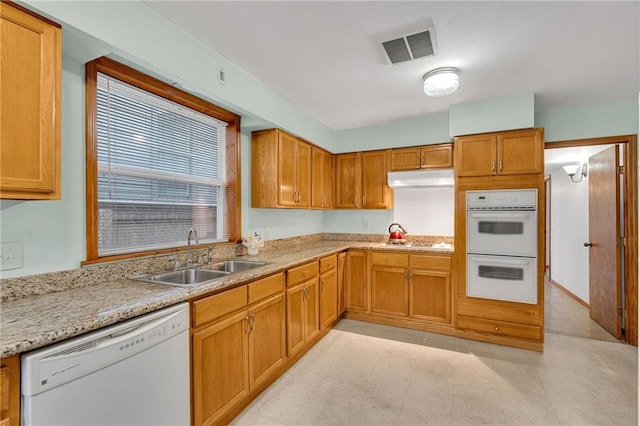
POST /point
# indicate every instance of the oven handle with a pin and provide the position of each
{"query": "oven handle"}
(504, 215)
(502, 261)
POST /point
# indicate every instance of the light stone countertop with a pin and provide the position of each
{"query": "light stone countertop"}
(32, 322)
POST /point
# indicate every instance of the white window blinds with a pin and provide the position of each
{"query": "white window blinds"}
(161, 170)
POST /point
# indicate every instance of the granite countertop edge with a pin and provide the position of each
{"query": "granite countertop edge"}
(33, 322)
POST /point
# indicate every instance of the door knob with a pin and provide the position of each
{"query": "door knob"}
(588, 244)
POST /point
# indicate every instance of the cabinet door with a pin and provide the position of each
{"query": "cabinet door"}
(317, 182)
(328, 299)
(342, 294)
(348, 178)
(357, 281)
(405, 159)
(267, 340)
(322, 179)
(10, 391)
(287, 151)
(520, 152)
(430, 296)
(30, 77)
(312, 309)
(296, 318)
(303, 174)
(328, 177)
(389, 292)
(376, 194)
(220, 368)
(475, 155)
(437, 156)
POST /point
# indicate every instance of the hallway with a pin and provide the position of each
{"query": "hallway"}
(565, 315)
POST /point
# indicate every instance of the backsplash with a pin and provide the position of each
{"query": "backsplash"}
(33, 285)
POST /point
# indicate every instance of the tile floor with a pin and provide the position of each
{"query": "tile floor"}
(369, 374)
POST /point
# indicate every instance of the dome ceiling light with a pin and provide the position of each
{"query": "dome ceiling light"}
(441, 81)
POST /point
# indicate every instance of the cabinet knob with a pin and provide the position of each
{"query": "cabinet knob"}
(497, 328)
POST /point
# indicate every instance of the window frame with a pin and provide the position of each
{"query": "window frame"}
(142, 81)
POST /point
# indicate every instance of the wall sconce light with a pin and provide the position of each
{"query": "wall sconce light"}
(573, 169)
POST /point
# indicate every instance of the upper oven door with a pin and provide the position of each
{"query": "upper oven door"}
(509, 233)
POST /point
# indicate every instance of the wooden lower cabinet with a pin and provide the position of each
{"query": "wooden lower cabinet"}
(430, 288)
(328, 291)
(303, 306)
(389, 290)
(232, 353)
(342, 281)
(10, 391)
(357, 281)
(410, 288)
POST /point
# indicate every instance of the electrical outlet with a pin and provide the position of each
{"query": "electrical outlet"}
(267, 233)
(11, 256)
(365, 225)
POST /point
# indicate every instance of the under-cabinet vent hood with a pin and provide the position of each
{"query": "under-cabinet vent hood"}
(420, 178)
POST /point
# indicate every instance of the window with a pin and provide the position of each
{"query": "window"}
(159, 161)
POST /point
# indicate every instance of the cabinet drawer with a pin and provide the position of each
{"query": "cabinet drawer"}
(500, 327)
(218, 305)
(302, 273)
(389, 259)
(430, 262)
(328, 263)
(266, 287)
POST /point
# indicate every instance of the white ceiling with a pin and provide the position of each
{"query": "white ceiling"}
(325, 57)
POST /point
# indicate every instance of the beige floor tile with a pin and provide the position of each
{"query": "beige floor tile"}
(365, 374)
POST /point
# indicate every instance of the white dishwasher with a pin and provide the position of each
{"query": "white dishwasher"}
(132, 373)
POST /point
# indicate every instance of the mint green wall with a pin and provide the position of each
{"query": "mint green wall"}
(619, 118)
(411, 132)
(53, 232)
(149, 41)
(514, 112)
(282, 223)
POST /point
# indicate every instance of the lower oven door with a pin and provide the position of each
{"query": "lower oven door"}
(513, 279)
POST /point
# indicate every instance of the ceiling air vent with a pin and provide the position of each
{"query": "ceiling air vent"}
(410, 47)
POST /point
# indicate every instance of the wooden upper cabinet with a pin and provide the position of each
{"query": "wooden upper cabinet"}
(361, 181)
(322, 177)
(425, 157)
(30, 96)
(348, 178)
(280, 170)
(376, 194)
(505, 153)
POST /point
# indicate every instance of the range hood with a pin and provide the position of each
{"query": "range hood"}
(420, 178)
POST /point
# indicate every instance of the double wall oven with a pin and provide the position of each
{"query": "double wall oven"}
(502, 245)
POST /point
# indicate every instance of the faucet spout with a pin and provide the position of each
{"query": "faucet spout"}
(190, 232)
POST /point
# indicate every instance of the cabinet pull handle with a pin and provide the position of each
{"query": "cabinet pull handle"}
(364, 200)
(247, 326)
(253, 322)
(321, 285)
(500, 165)
(493, 165)
(418, 161)
(355, 200)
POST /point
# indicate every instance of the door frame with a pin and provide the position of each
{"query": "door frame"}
(630, 194)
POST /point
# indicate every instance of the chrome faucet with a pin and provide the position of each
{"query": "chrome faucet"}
(195, 235)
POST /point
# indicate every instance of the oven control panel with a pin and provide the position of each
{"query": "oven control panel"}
(503, 199)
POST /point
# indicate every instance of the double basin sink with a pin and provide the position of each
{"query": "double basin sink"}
(200, 274)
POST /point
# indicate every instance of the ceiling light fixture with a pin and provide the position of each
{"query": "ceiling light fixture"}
(441, 81)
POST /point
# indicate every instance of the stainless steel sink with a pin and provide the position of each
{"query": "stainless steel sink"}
(183, 278)
(200, 274)
(234, 266)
